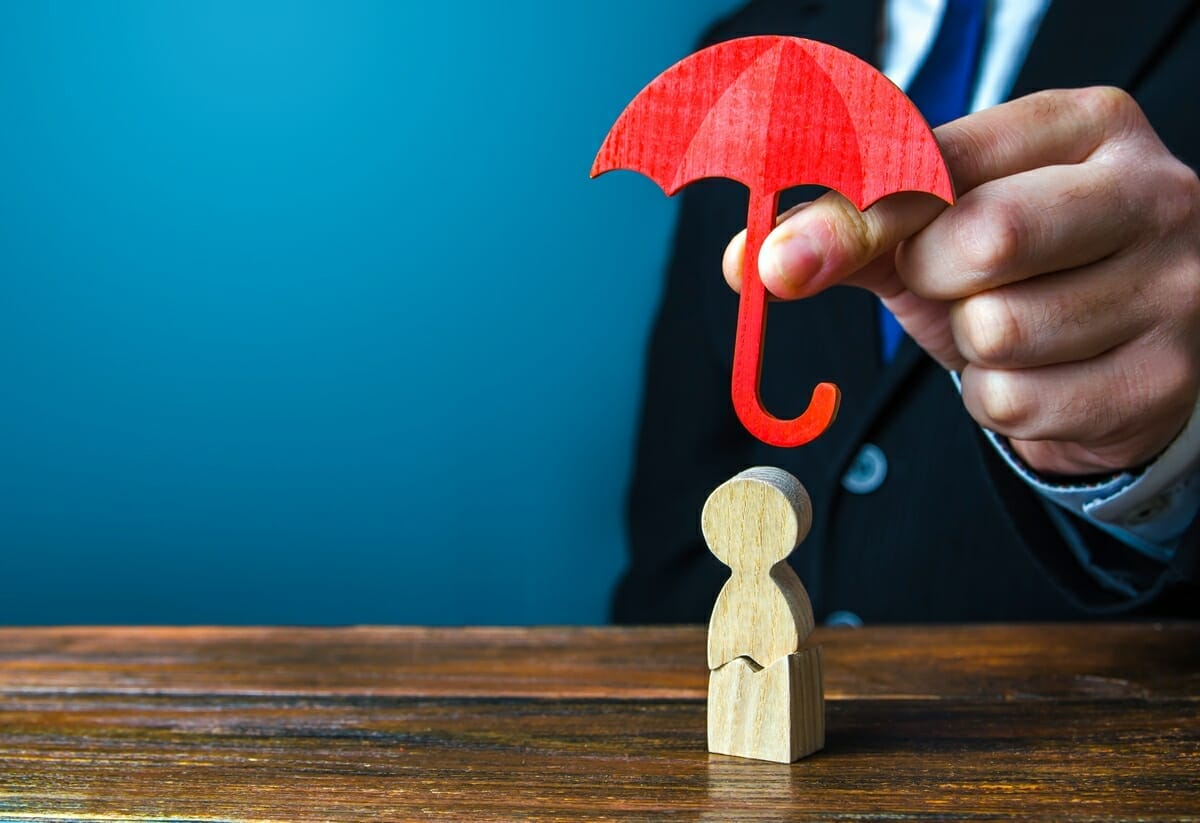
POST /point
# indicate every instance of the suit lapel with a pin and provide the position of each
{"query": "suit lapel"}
(1120, 37)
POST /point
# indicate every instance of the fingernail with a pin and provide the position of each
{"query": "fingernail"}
(787, 264)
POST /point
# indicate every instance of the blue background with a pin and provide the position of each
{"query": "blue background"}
(310, 314)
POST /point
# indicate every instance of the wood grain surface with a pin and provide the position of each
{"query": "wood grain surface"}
(1035, 722)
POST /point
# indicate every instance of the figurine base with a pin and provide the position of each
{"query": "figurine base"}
(776, 713)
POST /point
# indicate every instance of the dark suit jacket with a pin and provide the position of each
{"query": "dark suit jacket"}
(952, 534)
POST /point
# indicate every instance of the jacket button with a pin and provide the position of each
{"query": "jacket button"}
(867, 472)
(844, 618)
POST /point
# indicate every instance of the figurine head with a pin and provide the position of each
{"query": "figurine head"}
(755, 519)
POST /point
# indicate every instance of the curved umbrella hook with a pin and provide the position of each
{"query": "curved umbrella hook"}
(748, 348)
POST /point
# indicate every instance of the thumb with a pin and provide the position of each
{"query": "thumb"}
(831, 242)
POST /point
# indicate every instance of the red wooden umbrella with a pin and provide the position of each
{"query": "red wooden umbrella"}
(772, 113)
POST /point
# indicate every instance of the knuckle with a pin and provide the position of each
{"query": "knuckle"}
(1177, 197)
(1183, 297)
(967, 147)
(1178, 379)
(989, 331)
(1186, 388)
(1105, 100)
(853, 228)
(1156, 398)
(1171, 290)
(1108, 107)
(1189, 302)
(1006, 405)
(991, 234)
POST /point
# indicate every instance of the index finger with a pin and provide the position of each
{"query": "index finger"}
(828, 242)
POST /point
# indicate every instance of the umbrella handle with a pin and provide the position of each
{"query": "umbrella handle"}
(748, 348)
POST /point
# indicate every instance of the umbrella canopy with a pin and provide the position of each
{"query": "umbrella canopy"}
(773, 113)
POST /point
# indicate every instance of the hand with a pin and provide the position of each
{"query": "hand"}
(1064, 285)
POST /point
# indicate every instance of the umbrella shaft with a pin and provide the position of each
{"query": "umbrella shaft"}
(752, 310)
(748, 347)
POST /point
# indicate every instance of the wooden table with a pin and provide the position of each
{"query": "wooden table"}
(1042, 722)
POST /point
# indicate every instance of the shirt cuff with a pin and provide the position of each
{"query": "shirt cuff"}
(1147, 510)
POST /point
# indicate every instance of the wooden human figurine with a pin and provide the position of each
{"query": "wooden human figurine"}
(765, 693)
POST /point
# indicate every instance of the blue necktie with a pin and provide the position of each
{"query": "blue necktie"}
(942, 91)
